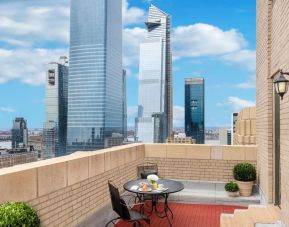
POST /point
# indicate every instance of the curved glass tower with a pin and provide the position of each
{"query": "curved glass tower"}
(154, 121)
(95, 74)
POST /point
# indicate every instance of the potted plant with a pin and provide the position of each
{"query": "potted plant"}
(18, 214)
(232, 189)
(245, 175)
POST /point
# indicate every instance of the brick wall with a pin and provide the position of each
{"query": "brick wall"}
(199, 162)
(67, 190)
(264, 112)
(272, 54)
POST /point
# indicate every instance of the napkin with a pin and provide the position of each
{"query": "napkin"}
(135, 187)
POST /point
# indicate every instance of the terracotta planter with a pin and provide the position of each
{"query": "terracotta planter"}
(245, 188)
(233, 194)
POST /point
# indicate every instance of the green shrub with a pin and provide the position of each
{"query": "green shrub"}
(14, 214)
(244, 172)
(231, 187)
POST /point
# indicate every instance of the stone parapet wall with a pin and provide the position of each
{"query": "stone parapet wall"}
(199, 162)
(67, 190)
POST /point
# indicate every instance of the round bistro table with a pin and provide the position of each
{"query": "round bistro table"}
(172, 187)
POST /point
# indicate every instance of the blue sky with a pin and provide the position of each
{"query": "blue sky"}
(213, 39)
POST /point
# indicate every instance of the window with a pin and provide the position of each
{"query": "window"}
(51, 77)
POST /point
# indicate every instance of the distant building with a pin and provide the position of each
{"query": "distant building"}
(158, 120)
(181, 138)
(124, 105)
(95, 90)
(115, 140)
(56, 94)
(35, 142)
(246, 127)
(233, 125)
(225, 136)
(195, 109)
(155, 80)
(19, 133)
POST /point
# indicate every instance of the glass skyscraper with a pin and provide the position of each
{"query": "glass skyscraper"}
(155, 80)
(55, 126)
(195, 109)
(95, 90)
(19, 133)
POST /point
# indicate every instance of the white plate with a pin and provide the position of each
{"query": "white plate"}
(161, 189)
(148, 190)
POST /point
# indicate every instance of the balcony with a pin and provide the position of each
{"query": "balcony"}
(72, 190)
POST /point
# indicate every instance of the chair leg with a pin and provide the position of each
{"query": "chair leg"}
(112, 221)
(134, 224)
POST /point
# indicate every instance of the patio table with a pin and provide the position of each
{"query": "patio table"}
(171, 186)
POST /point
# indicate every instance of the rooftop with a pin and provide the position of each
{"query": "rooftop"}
(72, 190)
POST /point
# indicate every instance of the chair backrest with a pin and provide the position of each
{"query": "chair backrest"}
(146, 169)
(117, 203)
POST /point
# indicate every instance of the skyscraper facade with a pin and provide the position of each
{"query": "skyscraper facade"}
(195, 109)
(95, 105)
(155, 80)
(56, 94)
(124, 104)
(19, 133)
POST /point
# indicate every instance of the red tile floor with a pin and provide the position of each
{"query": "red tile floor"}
(190, 215)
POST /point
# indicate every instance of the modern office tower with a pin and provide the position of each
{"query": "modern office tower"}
(56, 94)
(195, 109)
(155, 79)
(233, 125)
(225, 136)
(95, 101)
(124, 105)
(19, 133)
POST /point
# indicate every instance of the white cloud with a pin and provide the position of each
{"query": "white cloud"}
(179, 116)
(237, 103)
(34, 24)
(246, 85)
(132, 15)
(132, 38)
(205, 40)
(243, 59)
(25, 65)
(7, 109)
(250, 83)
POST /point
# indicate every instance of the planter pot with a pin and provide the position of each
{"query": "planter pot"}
(233, 194)
(245, 188)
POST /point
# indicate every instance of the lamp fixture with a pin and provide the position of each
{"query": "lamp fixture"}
(281, 83)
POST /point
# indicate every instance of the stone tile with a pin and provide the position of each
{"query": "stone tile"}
(52, 178)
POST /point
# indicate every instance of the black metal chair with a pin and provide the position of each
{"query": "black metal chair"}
(146, 169)
(120, 207)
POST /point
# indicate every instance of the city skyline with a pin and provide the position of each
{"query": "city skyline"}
(220, 65)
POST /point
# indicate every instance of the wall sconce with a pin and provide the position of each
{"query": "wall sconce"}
(281, 83)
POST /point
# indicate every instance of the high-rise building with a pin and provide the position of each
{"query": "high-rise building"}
(155, 79)
(124, 105)
(95, 100)
(195, 109)
(225, 136)
(56, 94)
(233, 125)
(19, 133)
